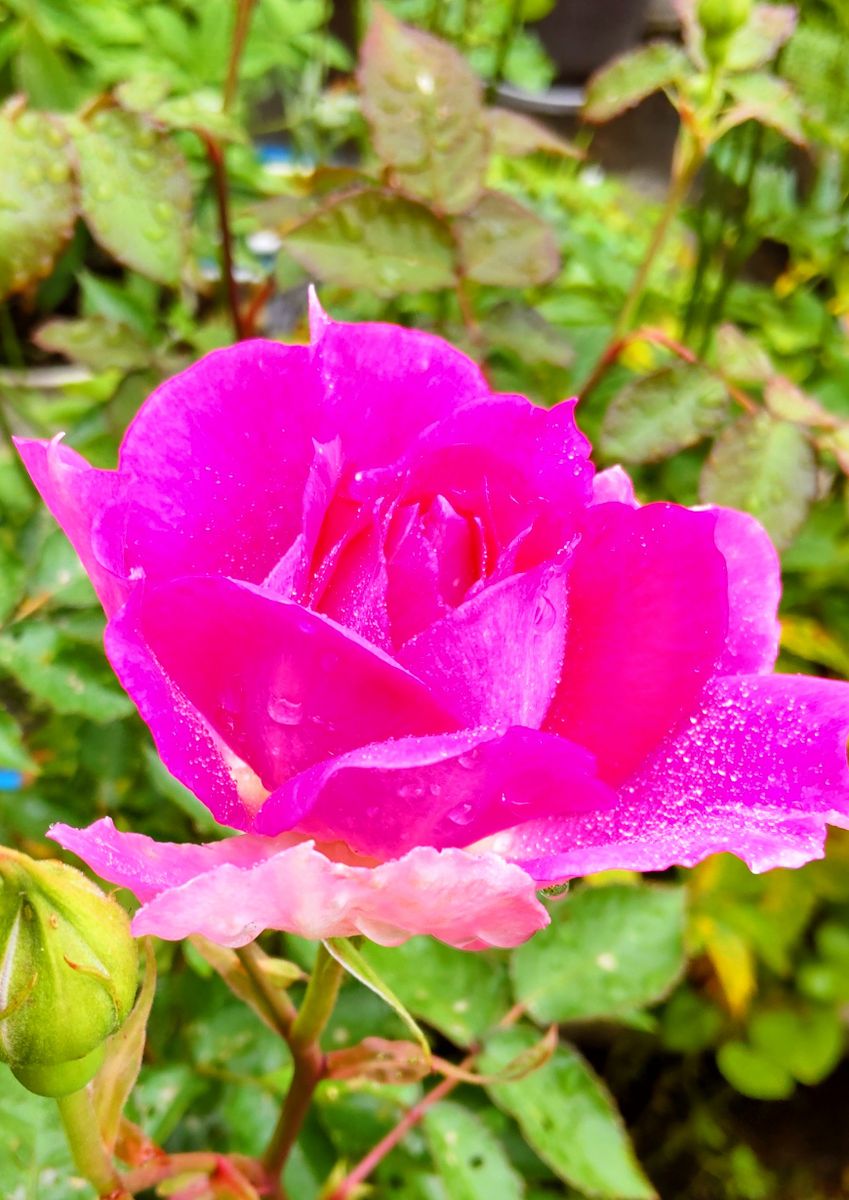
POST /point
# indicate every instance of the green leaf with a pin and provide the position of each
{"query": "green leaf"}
(515, 135)
(13, 753)
(607, 951)
(753, 1073)
(740, 358)
(346, 953)
(767, 468)
(763, 35)
(524, 332)
(95, 342)
(809, 1044)
(136, 194)
(502, 242)
(462, 995)
(31, 657)
(633, 76)
(423, 103)
(786, 400)
(115, 1080)
(767, 99)
(377, 241)
(653, 416)
(35, 1161)
(568, 1118)
(471, 1162)
(37, 204)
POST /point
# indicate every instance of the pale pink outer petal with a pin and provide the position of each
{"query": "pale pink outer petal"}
(445, 790)
(243, 689)
(233, 890)
(497, 658)
(77, 494)
(754, 590)
(758, 772)
(648, 615)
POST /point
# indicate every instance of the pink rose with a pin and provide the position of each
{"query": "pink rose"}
(388, 625)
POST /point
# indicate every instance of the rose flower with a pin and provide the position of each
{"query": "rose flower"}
(392, 628)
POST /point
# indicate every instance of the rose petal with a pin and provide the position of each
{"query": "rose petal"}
(754, 590)
(497, 658)
(648, 613)
(383, 385)
(758, 772)
(283, 687)
(76, 494)
(614, 484)
(215, 464)
(445, 790)
(233, 890)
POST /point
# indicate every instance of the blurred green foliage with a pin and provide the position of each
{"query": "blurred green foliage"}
(678, 999)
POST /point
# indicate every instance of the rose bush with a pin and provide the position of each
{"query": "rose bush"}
(392, 628)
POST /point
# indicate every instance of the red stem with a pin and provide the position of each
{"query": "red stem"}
(219, 176)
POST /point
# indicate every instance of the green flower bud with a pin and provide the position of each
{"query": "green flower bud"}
(720, 18)
(68, 972)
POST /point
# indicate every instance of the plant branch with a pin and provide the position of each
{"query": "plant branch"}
(244, 9)
(658, 338)
(278, 1005)
(89, 1154)
(376, 1155)
(309, 1060)
(222, 197)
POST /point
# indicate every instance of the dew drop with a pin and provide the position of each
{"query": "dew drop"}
(462, 814)
(468, 761)
(285, 711)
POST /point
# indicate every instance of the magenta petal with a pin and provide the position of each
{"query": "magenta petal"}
(76, 494)
(648, 614)
(507, 460)
(754, 590)
(383, 384)
(283, 686)
(190, 747)
(231, 891)
(448, 790)
(217, 460)
(758, 772)
(497, 658)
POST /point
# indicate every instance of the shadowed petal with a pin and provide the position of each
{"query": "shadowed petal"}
(280, 686)
(497, 658)
(445, 790)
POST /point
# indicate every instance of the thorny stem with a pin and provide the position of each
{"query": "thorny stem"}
(89, 1154)
(659, 338)
(309, 1061)
(219, 176)
(409, 1120)
(244, 9)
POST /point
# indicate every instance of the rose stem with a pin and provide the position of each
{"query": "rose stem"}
(219, 178)
(244, 9)
(309, 1061)
(83, 1134)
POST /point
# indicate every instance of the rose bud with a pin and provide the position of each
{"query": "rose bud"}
(68, 973)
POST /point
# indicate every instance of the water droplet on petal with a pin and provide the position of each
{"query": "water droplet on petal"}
(468, 761)
(285, 711)
(462, 814)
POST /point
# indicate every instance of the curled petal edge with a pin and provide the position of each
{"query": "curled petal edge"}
(230, 891)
